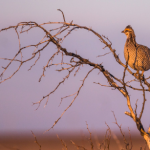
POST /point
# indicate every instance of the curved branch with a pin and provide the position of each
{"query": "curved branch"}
(62, 14)
(112, 80)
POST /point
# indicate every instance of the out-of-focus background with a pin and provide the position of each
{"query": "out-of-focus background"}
(94, 103)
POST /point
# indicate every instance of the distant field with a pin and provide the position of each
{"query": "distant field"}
(51, 142)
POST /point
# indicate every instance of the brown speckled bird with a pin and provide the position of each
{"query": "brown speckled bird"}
(138, 56)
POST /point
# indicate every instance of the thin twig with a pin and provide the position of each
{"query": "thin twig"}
(36, 141)
(63, 143)
(62, 14)
(91, 142)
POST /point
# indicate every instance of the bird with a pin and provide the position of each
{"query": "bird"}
(136, 55)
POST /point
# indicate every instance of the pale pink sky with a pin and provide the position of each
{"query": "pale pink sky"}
(94, 103)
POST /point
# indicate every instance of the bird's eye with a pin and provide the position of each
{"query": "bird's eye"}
(128, 30)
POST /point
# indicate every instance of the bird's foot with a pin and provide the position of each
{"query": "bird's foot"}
(142, 77)
(139, 76)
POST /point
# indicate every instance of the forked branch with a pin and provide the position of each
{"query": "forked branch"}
(57, 36)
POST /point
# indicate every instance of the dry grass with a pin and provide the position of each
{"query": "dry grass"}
(73, 142)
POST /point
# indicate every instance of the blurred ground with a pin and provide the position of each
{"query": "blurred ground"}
(50, 141)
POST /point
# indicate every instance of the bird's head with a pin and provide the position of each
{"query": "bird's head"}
(129, 32)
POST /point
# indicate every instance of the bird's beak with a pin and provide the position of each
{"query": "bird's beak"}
(122, 31)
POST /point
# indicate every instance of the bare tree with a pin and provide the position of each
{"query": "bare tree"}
(56, 36)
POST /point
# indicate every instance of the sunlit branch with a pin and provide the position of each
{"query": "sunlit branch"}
(73, 99)
(76, 61)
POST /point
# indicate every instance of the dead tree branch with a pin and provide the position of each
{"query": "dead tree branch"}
(76, 61)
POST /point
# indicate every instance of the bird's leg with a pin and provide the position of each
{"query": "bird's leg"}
(142, 76)
(137, 75)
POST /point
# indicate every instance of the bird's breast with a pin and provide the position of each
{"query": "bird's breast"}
(137, 56)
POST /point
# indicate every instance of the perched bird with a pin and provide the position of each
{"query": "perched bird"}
(138, 56)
